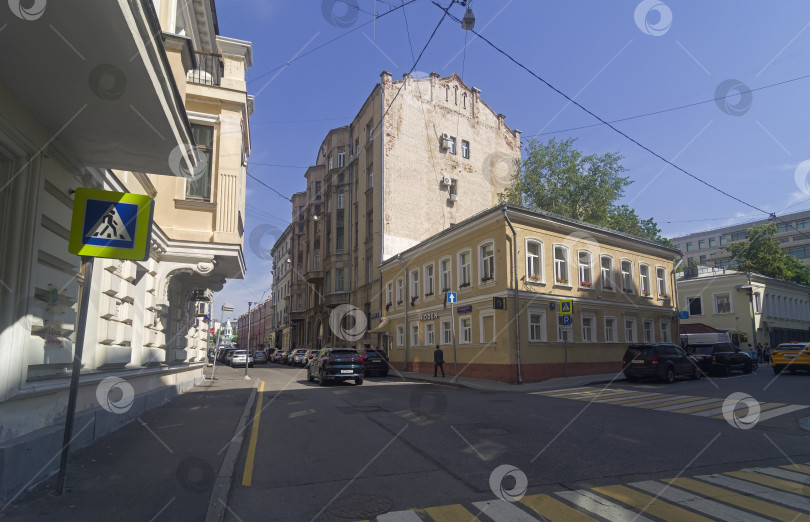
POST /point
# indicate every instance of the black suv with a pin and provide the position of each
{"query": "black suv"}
(337, 364)
(375, 361)
(721, 358)
(663, 360)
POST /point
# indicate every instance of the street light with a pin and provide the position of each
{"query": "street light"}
(468, 22)
(225, 308)
(247, 352)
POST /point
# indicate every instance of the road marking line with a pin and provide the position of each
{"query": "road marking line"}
(569, 391)
(399, 516)
(247, 476)
(648, 504)
(801, 468)
(780, 411)
(449, 513)
(701, 407)
(781, 473)
(629, 402)
(554, 510)
(672, 402)
(607, 397)
(771, 482)
(696, 502)
(717, 412)
(736, 499)
(664, 398)
(695, 402)
(501, 510)
(599, 506)
(772, 495)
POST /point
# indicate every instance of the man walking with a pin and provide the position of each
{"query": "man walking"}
(438, 360)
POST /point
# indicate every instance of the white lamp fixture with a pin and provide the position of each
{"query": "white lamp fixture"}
(468, 22)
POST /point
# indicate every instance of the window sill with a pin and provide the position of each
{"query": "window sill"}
(589, 288)
(611, 290)
(563, 285)
(195, 204)
(533, 282)
(487, 283)
(465, 289)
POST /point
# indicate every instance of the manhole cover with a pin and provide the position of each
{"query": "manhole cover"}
(491, 431)
(360, 506)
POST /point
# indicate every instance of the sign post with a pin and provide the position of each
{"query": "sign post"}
(567, 315)
(452, 298)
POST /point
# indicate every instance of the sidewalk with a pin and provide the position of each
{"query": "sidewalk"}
(167, 462)
(548, 384)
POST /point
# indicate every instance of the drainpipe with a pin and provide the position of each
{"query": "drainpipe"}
(405, 298)
(517, 302)
(674, 298)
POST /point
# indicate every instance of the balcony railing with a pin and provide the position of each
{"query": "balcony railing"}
(209, 69)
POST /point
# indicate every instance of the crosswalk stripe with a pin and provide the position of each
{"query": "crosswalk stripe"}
(784, 474)
(554, 510)
(701, 407)
(638, 398)
(648, 504)
(762, 407)
(801, 468)
(615, 395)
(695, 502)
(772, 482)
(501, 510)
(673, 402)
(659, 400)
(696, 402)
(599, 506)
(758, 490)
(399, 516)
(781, 411)
(565, 391)
(449, 513)
(736, 499)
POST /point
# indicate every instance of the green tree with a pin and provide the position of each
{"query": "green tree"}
(558, 178)
(761, 254)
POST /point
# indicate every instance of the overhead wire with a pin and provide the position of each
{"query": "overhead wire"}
(268, 186)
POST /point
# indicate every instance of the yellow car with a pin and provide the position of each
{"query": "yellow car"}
(791, 356)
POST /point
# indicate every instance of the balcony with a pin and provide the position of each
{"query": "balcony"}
(209, 69)
(313, 276)
(298, 315)
(336, 299)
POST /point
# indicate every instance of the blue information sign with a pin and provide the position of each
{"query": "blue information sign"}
(452, 297)
(566, 320)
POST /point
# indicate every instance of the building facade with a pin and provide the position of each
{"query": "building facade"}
(420, 156)
(709, 248)
(253, 334)
(509, 320)
(153, 102)
(756, 308)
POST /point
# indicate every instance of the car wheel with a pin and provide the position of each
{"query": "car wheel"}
(385, 374)
(310, 378)
(696, 373)
(358, 381)
(321, 380)
(777, 370)
(748, 367)
(670, 377)
(727, 371)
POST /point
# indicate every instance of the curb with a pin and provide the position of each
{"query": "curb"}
(222, 486)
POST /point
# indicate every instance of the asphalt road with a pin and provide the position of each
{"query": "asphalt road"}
(346, 452)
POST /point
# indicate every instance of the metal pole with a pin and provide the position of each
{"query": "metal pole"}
(565, 348)
(247, 352)
(87, 272)
(216, 348)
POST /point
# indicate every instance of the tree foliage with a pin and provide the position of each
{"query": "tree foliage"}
(761, 254)
(558, 178)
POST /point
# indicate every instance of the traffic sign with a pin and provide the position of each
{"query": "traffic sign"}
(566, 307)
(683, 315)
(566, 320)
(452, 297)
(116, 225)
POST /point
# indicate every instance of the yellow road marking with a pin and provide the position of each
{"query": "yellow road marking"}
(606, 396)
(448, 513)
(640, 399)
(701, 407)
(649, 504)
(771, 482)
(762, 407)
(801, 468)
(671, 403)
(247, 476)
(737, 500)
(554, 510)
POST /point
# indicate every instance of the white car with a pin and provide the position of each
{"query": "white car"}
(240, 357)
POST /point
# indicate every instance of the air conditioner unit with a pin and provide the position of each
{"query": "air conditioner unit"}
(447, 181)
(446, 137)
(453, 197)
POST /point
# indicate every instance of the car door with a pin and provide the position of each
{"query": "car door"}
(681, 361)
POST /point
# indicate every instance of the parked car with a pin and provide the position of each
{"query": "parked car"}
(229, 356)
(298, 358)
(224, 353)
(375, 361)
(240, 358)
(791, 356)
(260, 357)
(721, 358)
(662, 360)
(310, 355)
(337, 364)
(278, 357)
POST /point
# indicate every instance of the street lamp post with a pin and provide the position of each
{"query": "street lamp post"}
(225, 308)
(247, 352)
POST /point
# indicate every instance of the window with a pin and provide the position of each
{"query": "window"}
(369, 177)
(447, 332)
(537, 326)
(702, 260)
(738, 236)
(587, 329)
(805, 223)
(722, 303)
(198, 185)
(341, 158)
(644, 279)
(430, 337)
(465, 149)
(429, 288)
(339, 231)
(414, 284)
(400, 336)
(369, 223)
(339, 203)
(389, 293)
(533, 256)
(464, 269)
(487, 327)
(661, 281)
(695, 305)
(399, 291)
(723, 240)
(783, 227)
(452, 143)
(665, 332)
(648, 331)
(629, 330)
(701, 244)
(446, 275)
(317, 194)
(329, 162)
(627, 277)
(712, 242)
(415, 335)
(688, 246)
(561, 264)
(465, 328)
(487, 262)
(369, 131)
(339, 280)
(607, 272)
(585, 269)
(757, 304)
(610, 330)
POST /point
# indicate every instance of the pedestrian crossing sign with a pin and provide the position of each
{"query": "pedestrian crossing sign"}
(566, 307)
(111, 224)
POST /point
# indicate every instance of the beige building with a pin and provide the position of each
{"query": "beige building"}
(147, 98)
(753, 308)
(420, 156)
(508, 322)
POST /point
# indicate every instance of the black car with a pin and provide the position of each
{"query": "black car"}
(337, 364)
(721, 358)
(662, 360)
(375, 361)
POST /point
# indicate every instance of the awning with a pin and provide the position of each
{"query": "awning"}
(381, 328)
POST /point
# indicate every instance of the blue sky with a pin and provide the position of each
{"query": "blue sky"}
(608, 56)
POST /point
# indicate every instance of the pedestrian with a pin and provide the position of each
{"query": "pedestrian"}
(438, 361)
(759, 353)
(766, 353)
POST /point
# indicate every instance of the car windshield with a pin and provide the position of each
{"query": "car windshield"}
(638, 351)
(372, 353)
(703, 349)
(790, 346)
(344, 353)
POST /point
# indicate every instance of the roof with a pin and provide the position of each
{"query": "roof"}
(694, 328)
